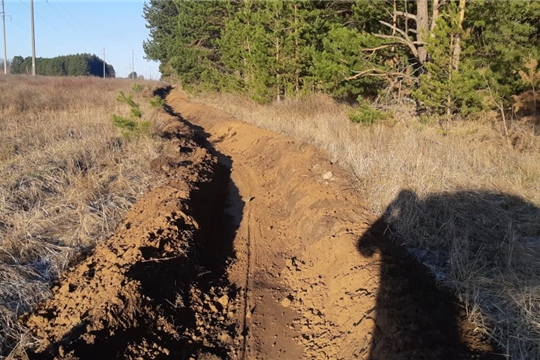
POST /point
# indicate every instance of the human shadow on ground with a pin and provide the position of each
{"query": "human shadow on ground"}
(484, 244)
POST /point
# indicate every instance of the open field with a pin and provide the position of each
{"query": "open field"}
(251, 246)
(68, 176)
(457, 197)
(246, 243)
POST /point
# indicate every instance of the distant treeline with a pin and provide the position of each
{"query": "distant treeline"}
(69, 65)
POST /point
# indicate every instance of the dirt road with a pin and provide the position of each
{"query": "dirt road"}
(252, 246)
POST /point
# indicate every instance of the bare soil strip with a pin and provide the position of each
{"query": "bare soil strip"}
(254, 246)
(327, 283)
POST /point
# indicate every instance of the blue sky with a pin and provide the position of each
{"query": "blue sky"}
(74, 26)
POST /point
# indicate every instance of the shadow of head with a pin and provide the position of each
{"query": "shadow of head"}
(376, 239)
(493, 229)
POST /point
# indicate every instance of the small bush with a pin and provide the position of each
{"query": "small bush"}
(367, 115)
(137, 87)
(132, 125)
(123, 123)
(136, 112)
(157, 101)
(144, 127)
(426, 119)
(126, 99)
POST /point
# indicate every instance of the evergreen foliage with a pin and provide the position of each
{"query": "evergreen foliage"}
(273, 50)
(366, 115)
(505, 34)
(69, 65)
(264, 45)
(133, 125)
(445, 90)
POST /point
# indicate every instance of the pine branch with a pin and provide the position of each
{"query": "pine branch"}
(407, 15)
(381, 47)
(377, 72)
(409, 43)
(403, 33)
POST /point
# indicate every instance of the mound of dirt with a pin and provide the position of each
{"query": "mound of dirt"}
(251, 246)
(138, 294)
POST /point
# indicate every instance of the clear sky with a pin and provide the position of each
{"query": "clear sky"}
(74, 26)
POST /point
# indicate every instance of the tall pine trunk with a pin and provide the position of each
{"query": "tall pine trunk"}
(422, 28)
(457, 42)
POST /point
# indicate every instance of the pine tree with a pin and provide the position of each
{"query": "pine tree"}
(161, 17)
(351, 60)
(17, 65)
(445, 88)
(267, 47)
(274, 49)
(193, 50)
(505, 34)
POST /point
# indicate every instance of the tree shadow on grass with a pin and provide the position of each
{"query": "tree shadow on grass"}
(482, 244)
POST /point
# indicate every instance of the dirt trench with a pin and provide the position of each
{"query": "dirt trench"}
(251, 246)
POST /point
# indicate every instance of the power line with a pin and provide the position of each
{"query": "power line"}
(19, 25)
(41, 17)
(47, 22)
(25, 4)
(70, 24)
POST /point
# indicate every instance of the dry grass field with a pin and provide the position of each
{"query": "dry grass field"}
(67, 177)
(461, 198)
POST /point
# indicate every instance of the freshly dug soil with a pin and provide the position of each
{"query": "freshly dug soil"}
(251, 246)
(145, 292)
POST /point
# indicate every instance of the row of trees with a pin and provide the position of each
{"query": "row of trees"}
(450, 56)
(69, 65)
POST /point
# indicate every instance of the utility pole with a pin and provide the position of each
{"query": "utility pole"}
(133, 63)
(104, 62)
(33, 37)
(5, 47)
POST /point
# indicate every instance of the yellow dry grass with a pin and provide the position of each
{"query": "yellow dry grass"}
(68, 176)
(457, 197)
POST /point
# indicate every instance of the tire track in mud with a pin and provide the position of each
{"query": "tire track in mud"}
(247, 287)
(294, 215)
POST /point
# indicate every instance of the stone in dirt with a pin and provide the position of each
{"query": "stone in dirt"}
(224, 301)
(327, 175)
